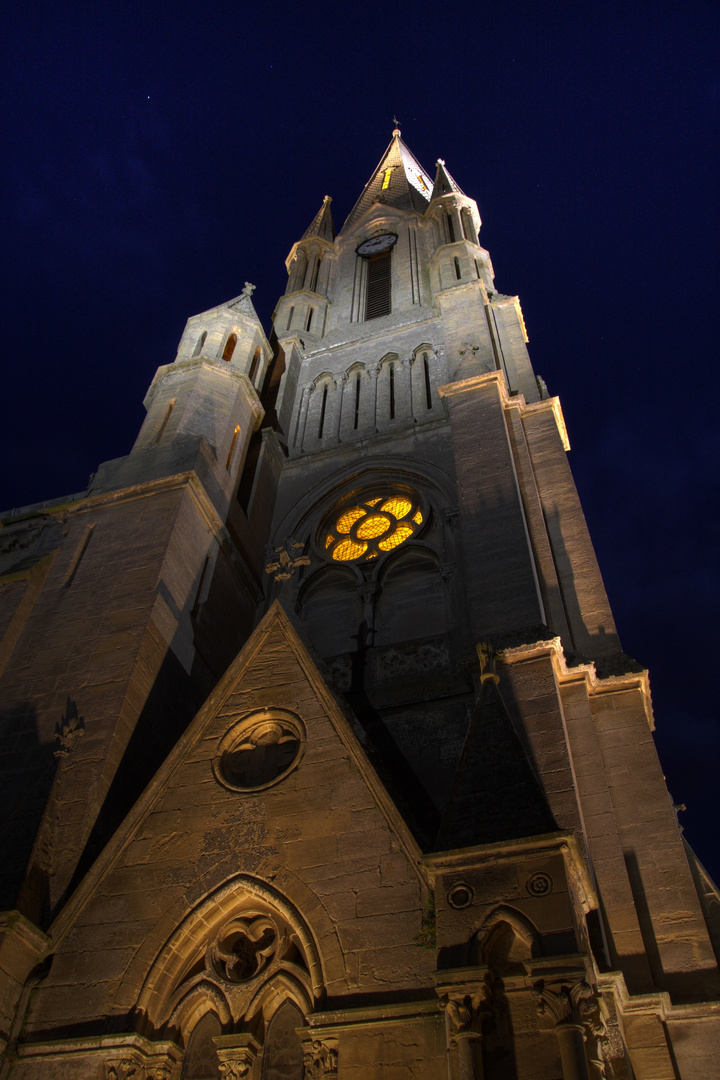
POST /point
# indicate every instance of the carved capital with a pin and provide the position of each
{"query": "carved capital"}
(489, 660)
(236, 1061)
(125, 1069)
(468, 1012)
(450, 515)
(367, 592)
(320, 1058)
(566, 1004)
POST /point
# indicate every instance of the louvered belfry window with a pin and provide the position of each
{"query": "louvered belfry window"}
(378, 286)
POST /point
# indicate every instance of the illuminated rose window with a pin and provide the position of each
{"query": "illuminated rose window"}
(369, 527)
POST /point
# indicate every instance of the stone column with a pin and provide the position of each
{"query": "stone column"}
(312, 263)
(302, 415)
(368, 592)
(569, 1005)
(368, 408)
(465, 1014)
(403, 391)
(457, 223)
(340, 382)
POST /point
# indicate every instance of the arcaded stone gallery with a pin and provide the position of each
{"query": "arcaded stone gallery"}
(320, 754)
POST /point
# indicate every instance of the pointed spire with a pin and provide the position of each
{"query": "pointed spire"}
(322, 224)
(399, 180)
(444, 183)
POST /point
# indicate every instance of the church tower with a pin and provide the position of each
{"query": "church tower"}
(324, 756)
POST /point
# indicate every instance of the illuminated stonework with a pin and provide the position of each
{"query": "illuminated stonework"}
(371, 527)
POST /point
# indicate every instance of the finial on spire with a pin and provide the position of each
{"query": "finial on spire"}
(439, 161)
(327, 199)
(396, 131)
(248, 290)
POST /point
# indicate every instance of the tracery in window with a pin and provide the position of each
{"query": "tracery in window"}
(373, 526)
(282, 1053)
(201, 1060)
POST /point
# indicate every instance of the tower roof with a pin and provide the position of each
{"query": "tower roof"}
(399, 180)
(444, 183)
(322, 224)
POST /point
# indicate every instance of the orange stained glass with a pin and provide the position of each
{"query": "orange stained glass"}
(372, 502)
(346, 520)
(373, 525)
(348, 549)
(401, 533)
(417, 518)
(372, 555)
(329, 539)
(398, 506)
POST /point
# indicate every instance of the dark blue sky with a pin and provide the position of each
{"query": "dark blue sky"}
(159, 155)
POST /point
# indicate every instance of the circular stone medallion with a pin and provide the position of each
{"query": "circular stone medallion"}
(259, 750)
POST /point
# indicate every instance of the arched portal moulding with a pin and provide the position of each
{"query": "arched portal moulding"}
(172, 997)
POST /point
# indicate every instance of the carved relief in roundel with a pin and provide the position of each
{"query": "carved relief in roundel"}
(259, 750)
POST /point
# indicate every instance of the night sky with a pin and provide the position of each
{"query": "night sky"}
(159, 155)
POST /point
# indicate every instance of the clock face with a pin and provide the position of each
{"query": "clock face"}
(376, 244)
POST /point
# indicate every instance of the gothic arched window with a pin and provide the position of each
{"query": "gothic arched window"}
(254, 365)
(229, 347)
(201, 1060)
(282, 1053)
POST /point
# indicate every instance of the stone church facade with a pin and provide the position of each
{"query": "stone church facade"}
(320, 755)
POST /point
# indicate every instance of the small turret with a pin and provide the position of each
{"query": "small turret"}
(458, 256)
(303, 308)
(202, 406)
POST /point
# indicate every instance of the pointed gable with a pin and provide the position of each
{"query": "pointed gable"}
(399, 180)
(308, 817)
(322, 224)
(444, 183)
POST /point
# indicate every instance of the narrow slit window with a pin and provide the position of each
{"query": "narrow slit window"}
(428, 389)
(392, 391)
(477, 268)
(290, 318)
(377, 301)
(231, 451)
(308, 324)
(229, 348)
(164, 424)
(254, 365)
(451, 228)
(458, 275)
(316, 273)
(386, 179)
(357, 400)
(322, 412)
